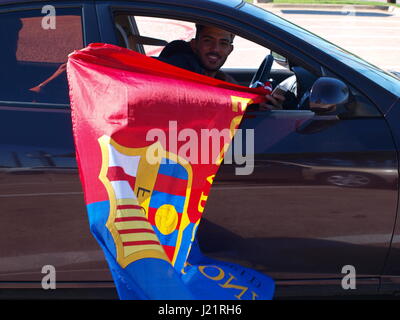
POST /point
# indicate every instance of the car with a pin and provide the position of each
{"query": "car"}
(302, 231)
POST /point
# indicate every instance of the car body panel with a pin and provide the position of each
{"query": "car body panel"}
(323, 227)
(392, 266)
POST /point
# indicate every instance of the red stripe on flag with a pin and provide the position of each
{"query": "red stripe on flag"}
(118, 174)
(122, 219)
(169, 250)
(128, 206)
(152, 215)
(125, 231)
(179, 221)
(171, 185)
(139, 243)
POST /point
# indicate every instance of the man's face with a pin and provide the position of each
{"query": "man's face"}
(212, 46)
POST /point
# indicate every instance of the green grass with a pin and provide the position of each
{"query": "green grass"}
(341, 2)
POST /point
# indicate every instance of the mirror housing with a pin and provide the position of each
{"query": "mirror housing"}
(326, 93)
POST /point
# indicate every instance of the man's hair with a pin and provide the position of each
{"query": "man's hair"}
(201, 27)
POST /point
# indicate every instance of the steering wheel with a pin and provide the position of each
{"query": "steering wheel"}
(263, 73)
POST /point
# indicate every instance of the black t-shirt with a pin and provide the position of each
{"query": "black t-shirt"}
(180, 54)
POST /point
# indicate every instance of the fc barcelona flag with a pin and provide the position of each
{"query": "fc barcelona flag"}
(139, 126)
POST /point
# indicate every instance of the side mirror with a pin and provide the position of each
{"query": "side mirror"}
(326, 93)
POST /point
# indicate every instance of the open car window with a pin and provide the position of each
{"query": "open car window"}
(149, 35)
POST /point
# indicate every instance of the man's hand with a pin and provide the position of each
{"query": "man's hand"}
(274, 102)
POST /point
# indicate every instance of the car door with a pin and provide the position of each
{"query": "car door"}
(43, 216)
(322, 196)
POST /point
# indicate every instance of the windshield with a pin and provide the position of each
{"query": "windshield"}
(382, 78)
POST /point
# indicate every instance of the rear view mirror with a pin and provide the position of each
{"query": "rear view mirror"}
(281, 60)
(326, 93)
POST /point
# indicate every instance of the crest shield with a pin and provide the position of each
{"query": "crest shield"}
(148, 201)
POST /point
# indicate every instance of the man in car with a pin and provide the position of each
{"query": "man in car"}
(206, 54)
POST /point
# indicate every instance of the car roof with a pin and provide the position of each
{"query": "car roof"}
(201, 3)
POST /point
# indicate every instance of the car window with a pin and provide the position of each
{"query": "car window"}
(149, 35)
(165, 29)
(170, 30)
(151, 29)
(32, 61)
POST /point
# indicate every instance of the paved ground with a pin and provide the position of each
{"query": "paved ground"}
(370, 33)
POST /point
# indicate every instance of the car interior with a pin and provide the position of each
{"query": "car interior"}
(128, 36)
(295, 79)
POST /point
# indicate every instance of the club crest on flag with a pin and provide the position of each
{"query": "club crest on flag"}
(148, 202)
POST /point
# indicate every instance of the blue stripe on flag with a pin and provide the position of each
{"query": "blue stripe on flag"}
(167, 240)
(160, 198)
(173, 169)
(185, 244)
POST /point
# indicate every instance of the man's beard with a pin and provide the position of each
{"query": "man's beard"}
(212, 68)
